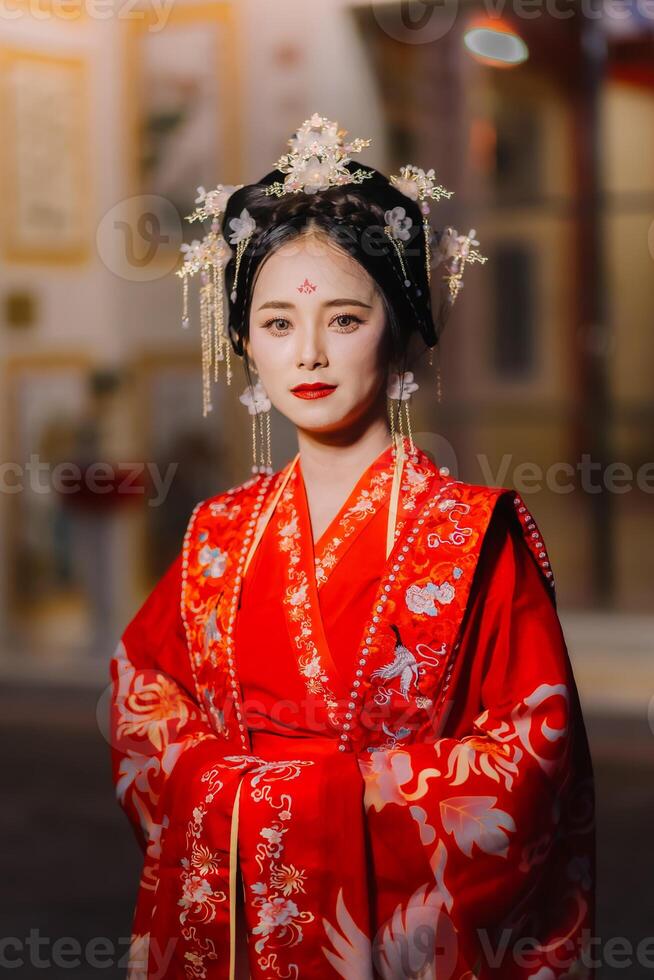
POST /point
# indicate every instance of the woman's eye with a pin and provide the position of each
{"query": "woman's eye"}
(274, 325)
(346, 322)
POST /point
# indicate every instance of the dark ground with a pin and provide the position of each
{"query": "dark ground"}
(70, 863)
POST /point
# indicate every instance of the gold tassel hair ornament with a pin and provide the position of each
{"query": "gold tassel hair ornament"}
(207, 259)
(454, 250)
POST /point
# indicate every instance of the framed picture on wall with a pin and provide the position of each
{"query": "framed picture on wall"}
(181, 102)
(44, 164)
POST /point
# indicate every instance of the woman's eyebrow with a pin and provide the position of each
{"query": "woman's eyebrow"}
(280, 304)
(347, 302)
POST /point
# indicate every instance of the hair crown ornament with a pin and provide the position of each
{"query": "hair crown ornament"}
(319, 158)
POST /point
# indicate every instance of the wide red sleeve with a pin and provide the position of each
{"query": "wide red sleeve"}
(502, 807)
(154, 714)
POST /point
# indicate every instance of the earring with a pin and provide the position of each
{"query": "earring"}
(399, 389)
(259, 405)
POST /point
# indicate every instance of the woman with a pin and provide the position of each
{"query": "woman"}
(345, 725)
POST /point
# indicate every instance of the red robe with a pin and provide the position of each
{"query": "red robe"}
(379, 765)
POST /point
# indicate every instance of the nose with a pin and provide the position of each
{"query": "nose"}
(310, 352)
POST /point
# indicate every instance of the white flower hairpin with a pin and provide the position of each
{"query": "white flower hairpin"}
(399, 223)
(398, 229)
(317, 159)
(401, 386)
(243, 228)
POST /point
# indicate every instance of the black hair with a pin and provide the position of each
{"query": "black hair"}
(353, 217)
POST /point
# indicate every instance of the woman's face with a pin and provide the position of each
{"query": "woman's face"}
(318, 319)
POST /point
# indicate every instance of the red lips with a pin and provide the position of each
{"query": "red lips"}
(316, 390)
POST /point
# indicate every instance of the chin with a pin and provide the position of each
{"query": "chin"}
(316, 416)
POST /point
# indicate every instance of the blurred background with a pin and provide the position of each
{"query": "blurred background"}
(112, 114)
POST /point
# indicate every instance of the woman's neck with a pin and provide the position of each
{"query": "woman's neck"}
(337, 462)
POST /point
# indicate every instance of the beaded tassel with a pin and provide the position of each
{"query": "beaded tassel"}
(400, 253)
(261, 443)
(391, 416)
(186, 320)
(222, 346)
(255, 465)
(205, 342)
(426, 227)
(408, 426)
(240, 248)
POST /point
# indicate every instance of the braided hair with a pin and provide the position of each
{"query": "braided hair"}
(353, 217)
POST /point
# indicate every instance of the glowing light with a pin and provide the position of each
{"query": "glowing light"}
(493, 41)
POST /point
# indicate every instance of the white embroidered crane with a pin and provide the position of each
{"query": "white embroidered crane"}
(404, 665)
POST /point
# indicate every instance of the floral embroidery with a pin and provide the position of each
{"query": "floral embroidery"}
(295, 598)
(364, 506)
(214, 561)
(478, 755)
(218, 530)
(280, 918)
(152, 718)
(416, 479)
(423, 600)
(476, 821)
(199, 898)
